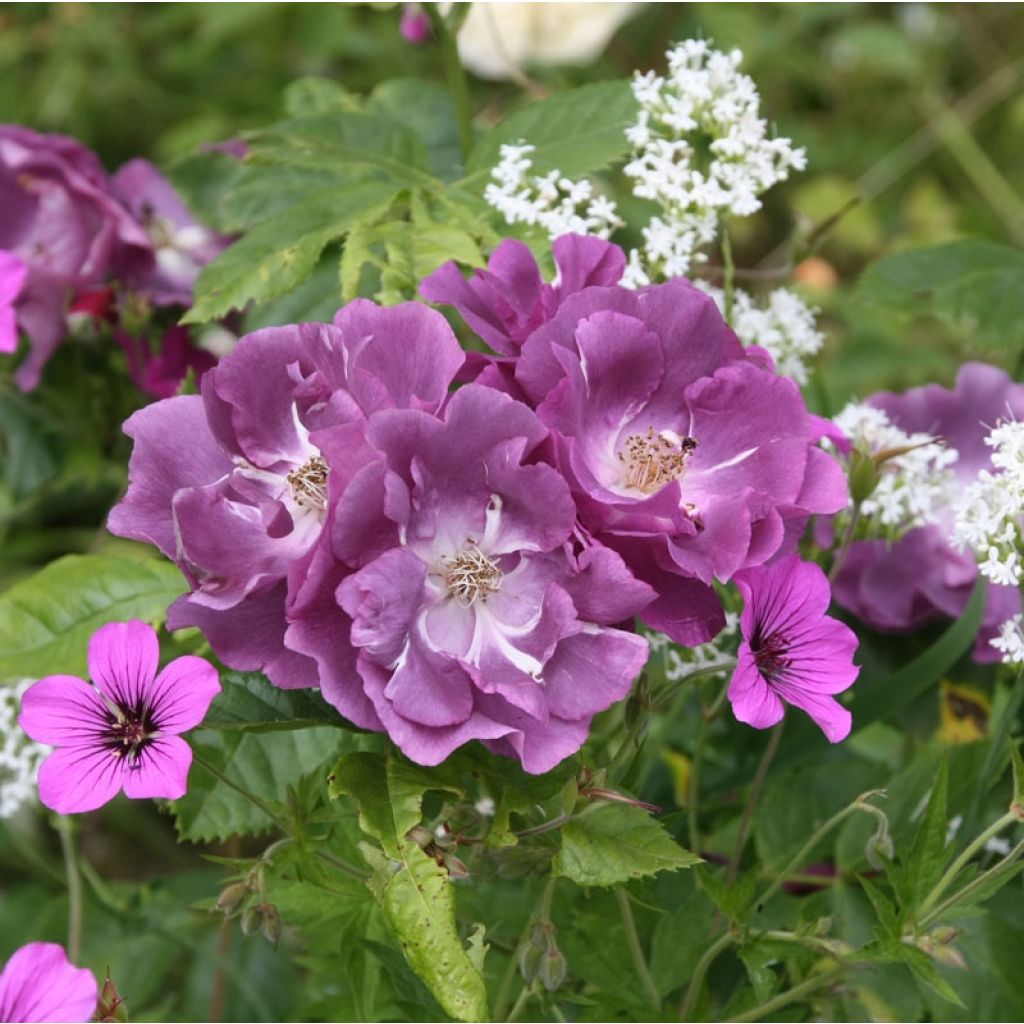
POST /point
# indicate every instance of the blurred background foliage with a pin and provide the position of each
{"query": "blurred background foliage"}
(917, 109)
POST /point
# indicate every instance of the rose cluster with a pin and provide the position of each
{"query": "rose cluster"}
(450, 563)
(76, 242)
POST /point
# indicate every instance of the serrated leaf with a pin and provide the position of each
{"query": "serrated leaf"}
(923, 968)
(354, 255)
(575, 131)
(205, 181)
(617, 843)
(389, 791)
(46, 619)
(971, 281)
(758, 960)
(888, 919)
(427, 108)
(281, 252)
(928, 855)
(249, 702)
(263, 764)
(419, 904)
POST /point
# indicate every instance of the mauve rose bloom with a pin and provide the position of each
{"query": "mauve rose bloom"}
(13, 273)
(160, 373)
(38, 984)
(792, 652)
(896, 587)
(60, 219)
(182, 246)
(475, 614)
(235, 485)
(122, 732)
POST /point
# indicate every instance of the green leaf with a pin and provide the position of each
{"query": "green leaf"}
(315, 95)
(27, 461)
(757, 959)
(206, 181)
(389, 791)
(281, 252)
(888, 919)
(614, 844)
(355, 254)
(46, 619)
(263, 764)
(426, 108)
(928, 855)
(249, 702)
(973, 281)
(576, 131)
(419, 904)
(1018, 773)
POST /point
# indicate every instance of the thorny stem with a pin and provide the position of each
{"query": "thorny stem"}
(635, 949)
(64, 829)
(752, 799)
(808, 985)
(689, 1000)
(961, 862)
(324, 855)
(445, 30)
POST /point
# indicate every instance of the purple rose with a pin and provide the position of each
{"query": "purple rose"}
(473, 612)
(181, 245)
(235, 485)
(61, 221)
(898, 587)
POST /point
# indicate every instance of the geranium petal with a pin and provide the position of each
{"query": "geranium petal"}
(39, 984)
(180, 695)
(61, 710)
(123, 659)
(160, 770)
(76, 779)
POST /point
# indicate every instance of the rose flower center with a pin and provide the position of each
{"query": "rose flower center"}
(309, 483)
(470, 575)
(652, 460)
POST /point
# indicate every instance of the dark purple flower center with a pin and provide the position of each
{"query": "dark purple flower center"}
(470, 575)
(652, 460)
(771, 654)
(130, 730)
(309, 483)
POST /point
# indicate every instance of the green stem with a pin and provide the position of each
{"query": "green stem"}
(635, 950)
(708, 715)
(456, 77)
(961, 862)
(729, 282)
(805, 987)
(752, 799)
(844, 547)
(505, 988)
(689, 1000)
(973, 886)
(64, 828)
(520, 1003)
(669, 692)
(630, 747)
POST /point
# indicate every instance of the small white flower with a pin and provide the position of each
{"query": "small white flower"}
(1010, 642)
(485, 807)
(20, 757)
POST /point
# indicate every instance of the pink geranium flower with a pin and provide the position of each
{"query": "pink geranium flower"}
(121, 733)
(791, 651)
(39, 984)
(12, 279)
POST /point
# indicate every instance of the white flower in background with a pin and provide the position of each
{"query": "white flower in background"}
(497, 40)
(20, 757)
(553, 202)
(915, 486)
(990, 512)
(784, 325)
(704, 104)
(1011, 641)
(678, 662)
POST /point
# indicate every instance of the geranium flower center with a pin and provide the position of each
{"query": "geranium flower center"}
(652, 460)
(130, 731)
(470, 575)
(771, 654)
(309, 483)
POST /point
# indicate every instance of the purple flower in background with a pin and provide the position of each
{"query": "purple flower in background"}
(792, 652)
(181, 245)
(60, 219)
(122, 733)
(899, 586)
(235, 485)
(414, 24)
(161, 373)
(12, 279)
(38, 984)
(474, 614)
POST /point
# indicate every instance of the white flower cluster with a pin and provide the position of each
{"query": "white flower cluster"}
(20, 757)
(1010, 641)
(990, 512)
(784, 325)
(915, 486)
(703, 104)
(682, 661)
(550, 201)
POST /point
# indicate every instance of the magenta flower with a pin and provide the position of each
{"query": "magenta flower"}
(12, 278)
(414, 24)
(792, 651)
(123, 732)
(160, 372)
(39, 984)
